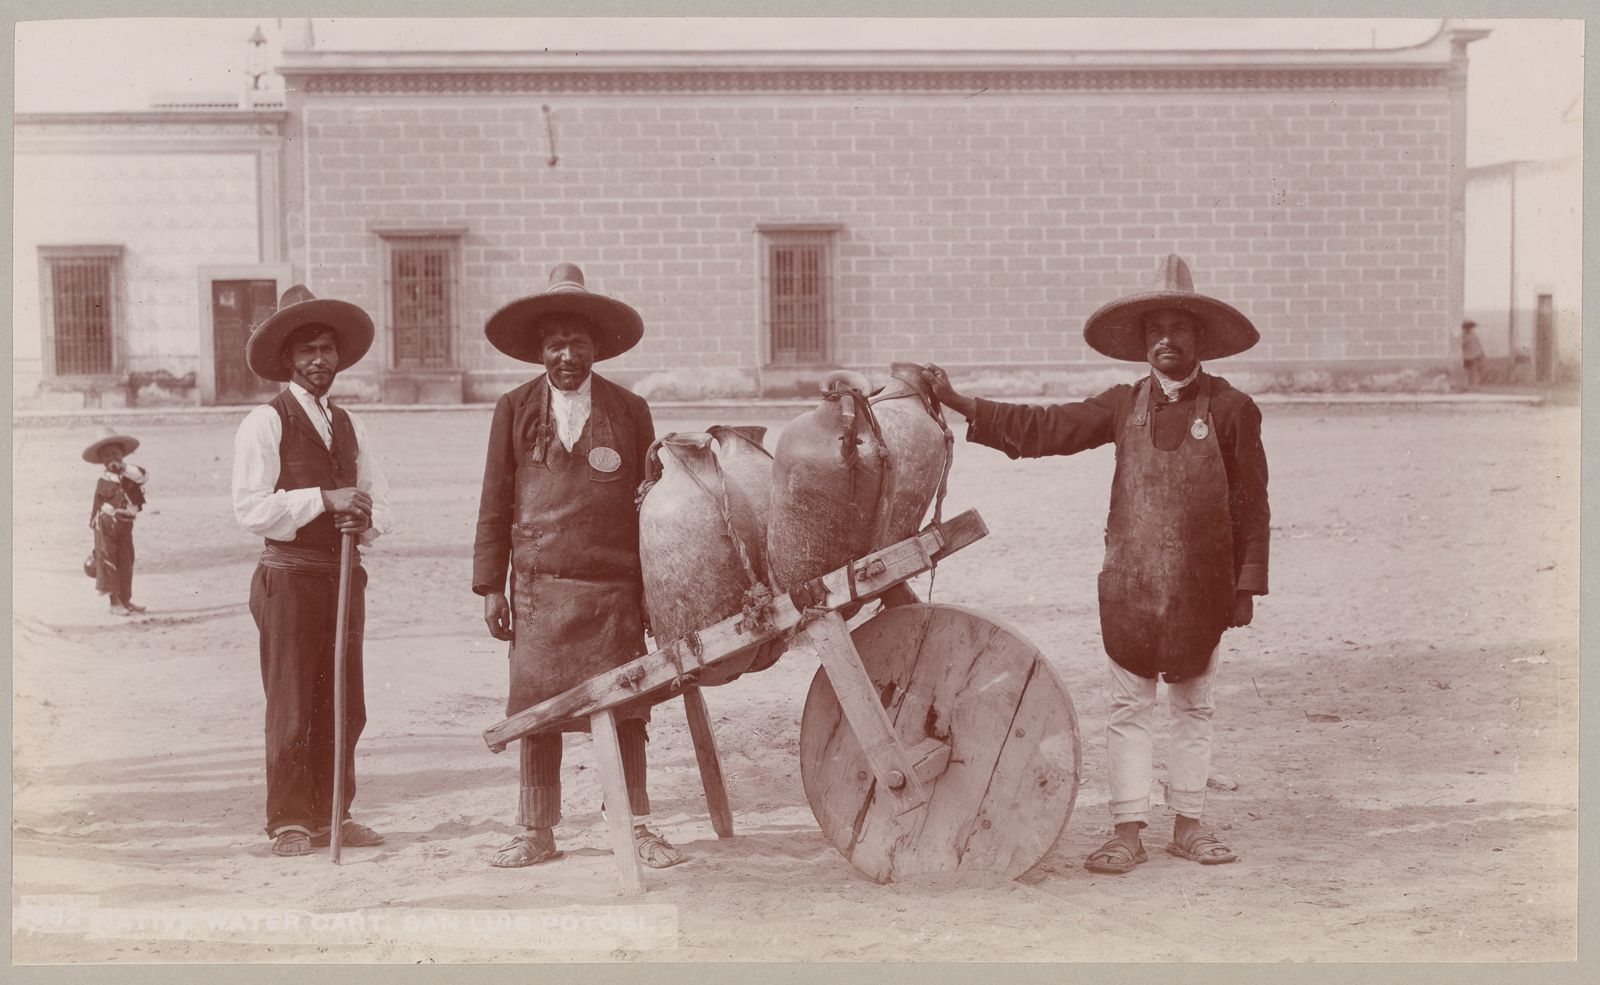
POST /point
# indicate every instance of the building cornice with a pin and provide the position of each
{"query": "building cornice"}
(736, 72)
(1165, 79)
(146, 118)
(146, 131)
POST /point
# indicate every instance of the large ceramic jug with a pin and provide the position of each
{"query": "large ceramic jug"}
(747, 472)
(919, 448)
(694, 575)
(830, 476)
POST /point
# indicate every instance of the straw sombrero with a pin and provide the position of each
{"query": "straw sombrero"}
(515, 330)
(299, 307)
(1116, 330)
(91, 454)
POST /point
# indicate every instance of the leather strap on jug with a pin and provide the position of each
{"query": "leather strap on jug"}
(855, 407)
(652, 469)
(911, 375)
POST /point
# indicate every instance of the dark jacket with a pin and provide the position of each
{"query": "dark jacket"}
(123, 494)
(1034, 431)
(519, 426)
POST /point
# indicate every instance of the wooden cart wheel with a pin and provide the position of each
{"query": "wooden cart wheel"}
(947, 672)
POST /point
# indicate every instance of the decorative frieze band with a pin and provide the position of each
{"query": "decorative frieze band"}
(824, 81)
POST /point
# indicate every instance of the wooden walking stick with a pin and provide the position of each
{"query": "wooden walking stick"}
(347, 545)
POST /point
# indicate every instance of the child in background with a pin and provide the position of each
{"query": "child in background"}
(118, 498)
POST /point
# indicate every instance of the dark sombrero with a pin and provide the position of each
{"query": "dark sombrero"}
(351, 326)
(1116, 329)
(109, 437)
(515, 329)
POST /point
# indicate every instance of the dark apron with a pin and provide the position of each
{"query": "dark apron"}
(576, 589)
(1167, 588)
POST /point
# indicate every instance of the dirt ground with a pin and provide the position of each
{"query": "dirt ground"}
(1396, 761)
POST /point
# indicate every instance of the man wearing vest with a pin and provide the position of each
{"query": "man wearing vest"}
(1186, 540)
(566, 455)
(304, 474)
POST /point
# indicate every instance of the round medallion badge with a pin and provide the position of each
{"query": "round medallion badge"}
(605, 459)
(1199, 430)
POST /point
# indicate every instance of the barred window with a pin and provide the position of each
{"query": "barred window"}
(81, 315)
(422, 300)
(797, 274)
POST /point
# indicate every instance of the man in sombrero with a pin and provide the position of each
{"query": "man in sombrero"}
(118, 499)
(1186, 540)
(566, 455)
(304, 474)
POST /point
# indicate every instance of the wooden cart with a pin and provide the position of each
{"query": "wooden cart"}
(933, 740)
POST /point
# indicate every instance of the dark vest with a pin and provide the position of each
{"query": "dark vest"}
(305, 462)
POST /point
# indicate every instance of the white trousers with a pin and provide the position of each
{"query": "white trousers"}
(1130, 745)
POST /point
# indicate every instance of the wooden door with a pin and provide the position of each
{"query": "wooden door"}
(237, 307)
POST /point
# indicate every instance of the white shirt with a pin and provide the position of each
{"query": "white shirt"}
(571, 409)
(278, 514)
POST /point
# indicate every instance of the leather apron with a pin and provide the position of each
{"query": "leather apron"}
(576, 588)
(1167, 588)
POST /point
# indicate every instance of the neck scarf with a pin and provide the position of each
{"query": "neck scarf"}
(571, 410)
(1170, 386)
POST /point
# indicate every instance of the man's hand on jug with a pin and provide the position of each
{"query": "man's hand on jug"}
(939, 382)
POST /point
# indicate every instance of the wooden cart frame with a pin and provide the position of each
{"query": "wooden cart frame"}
(811, 615)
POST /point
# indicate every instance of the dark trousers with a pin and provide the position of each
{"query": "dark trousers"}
(539, 802)
(295, 613)
(113, 548)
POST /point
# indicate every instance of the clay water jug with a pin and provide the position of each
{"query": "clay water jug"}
(747, 472)
(829, 475)
(697, 565)
(918, 441)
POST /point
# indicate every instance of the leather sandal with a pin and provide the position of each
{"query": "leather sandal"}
(1203, 847)
(524, 850)
(655, 851)
(1114, 858)
(352, 835)
(291, 842)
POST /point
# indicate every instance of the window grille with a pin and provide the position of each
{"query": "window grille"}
(81, 304)
(422, 294)
(799, 295)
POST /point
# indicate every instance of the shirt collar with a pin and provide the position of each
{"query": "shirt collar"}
(580, 393)
(304, 395)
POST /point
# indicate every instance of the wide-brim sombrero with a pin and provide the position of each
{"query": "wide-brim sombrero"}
(1116, 329)
(351, 326)
(107, 437)
(515, 329)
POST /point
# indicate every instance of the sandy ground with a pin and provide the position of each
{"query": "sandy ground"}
(1396, 758)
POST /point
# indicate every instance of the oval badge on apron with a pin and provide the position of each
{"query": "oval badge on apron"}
(605, 459)
(1198, 430)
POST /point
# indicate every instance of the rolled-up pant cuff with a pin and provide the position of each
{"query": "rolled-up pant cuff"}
(1131, 812)
(1189, 803)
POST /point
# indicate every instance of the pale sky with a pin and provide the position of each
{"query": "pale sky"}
(1521, 79)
